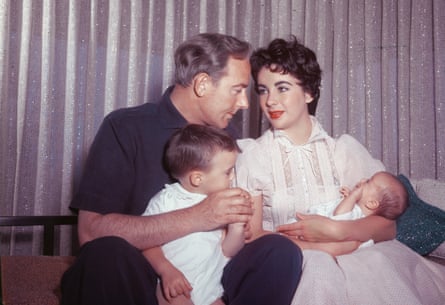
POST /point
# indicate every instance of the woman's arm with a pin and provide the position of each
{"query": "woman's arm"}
(322, 229)
(333, 248)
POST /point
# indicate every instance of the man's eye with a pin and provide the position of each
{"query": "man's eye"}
(237, 91)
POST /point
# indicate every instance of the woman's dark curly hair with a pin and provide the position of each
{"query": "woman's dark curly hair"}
(290, 57)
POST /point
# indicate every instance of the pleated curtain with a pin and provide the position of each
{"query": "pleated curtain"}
(65, 64)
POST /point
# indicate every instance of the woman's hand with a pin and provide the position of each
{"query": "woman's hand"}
(322, 229)
(314, 228)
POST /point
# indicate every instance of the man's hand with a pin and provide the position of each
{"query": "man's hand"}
(247, 232)
(224, 207)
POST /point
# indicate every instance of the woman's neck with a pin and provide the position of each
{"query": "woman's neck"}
(300, 133)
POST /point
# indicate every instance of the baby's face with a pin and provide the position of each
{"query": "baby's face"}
(220, 173)
(369, 189)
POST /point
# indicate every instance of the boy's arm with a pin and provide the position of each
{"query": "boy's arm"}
(234, 239)
(172, 280)
(255, 227)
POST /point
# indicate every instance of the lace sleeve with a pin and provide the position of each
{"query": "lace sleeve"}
(353, 161)
(250, 168)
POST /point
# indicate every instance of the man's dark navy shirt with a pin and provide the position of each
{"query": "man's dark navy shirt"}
(124, 168)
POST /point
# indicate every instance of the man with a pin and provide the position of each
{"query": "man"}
(124, 170)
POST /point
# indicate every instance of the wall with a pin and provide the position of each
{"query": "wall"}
(66, 64)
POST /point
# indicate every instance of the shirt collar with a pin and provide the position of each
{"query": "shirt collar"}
(317, 133)
(169, 116)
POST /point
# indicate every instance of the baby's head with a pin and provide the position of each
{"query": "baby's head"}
(201, 158)
(391, 195)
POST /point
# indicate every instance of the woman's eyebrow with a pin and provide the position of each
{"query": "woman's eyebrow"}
(282, 82)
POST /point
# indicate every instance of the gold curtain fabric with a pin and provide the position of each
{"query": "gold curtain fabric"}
(65, 64)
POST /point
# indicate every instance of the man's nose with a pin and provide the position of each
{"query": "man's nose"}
(243, 101)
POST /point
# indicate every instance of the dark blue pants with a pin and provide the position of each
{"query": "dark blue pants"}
(110, 271)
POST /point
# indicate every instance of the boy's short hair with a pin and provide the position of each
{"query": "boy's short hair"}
(194, 146)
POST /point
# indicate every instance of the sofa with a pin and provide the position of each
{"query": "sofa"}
(35, 279)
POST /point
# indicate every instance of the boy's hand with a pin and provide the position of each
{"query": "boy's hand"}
(174, 283)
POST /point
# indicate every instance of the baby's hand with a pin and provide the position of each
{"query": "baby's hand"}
(345, 191)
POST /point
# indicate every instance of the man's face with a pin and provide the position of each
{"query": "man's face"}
(228, 95)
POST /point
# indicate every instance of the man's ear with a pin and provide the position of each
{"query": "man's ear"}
(196, 178)
(372, 204)
(200, 83)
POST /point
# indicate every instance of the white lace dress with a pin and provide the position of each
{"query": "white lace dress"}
(295, 178)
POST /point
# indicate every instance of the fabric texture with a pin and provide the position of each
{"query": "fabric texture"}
(422, 226)
(293, 178)
(128, 149)
(198, 255)
(328, 211)
(109, 271)
(64, 66)
(385, 273)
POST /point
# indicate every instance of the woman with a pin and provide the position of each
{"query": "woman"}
(296, 165)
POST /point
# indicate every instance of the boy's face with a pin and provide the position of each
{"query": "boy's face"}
(220, 173)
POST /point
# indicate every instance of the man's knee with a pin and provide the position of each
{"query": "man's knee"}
(279, 245)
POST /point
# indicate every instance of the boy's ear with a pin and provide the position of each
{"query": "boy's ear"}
(372, 204)
(196, 178)
(200, 83)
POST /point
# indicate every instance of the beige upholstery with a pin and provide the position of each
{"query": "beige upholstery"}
(32, 280)
(35, 280)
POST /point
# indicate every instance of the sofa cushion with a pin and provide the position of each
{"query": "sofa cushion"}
(422, 226)
(32, 280)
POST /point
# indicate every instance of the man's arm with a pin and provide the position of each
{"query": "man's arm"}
(322, 229)
(143, 232)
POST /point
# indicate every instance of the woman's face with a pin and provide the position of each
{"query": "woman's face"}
(283, 100)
